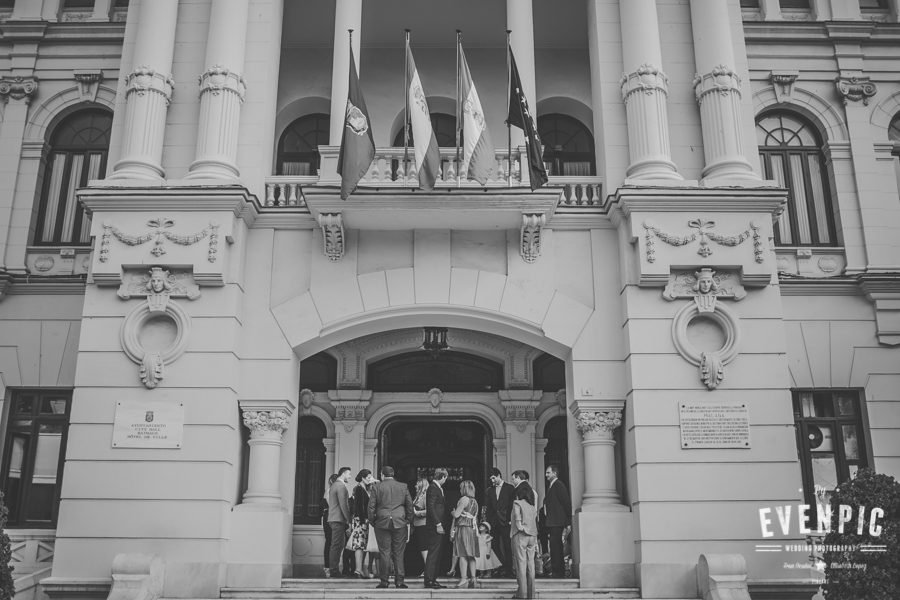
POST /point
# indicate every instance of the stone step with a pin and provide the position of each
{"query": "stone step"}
(485, 583)
(416, 591)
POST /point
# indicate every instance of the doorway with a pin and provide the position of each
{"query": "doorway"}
(415, 446)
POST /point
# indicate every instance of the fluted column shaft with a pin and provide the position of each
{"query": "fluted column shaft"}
(596, 428)
(520, 22)
(718, 91)
(221, 92)
(148, 91)
(644, 89)
(347, 15)
(267, 424)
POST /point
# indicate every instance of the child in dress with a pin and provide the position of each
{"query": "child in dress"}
(487, 561)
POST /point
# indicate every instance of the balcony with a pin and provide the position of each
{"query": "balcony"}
(393, 175)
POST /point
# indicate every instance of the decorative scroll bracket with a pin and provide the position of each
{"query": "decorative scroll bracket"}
(332, 225)
(530, 247)
(157, 285)
(704, 287)
(854, 89)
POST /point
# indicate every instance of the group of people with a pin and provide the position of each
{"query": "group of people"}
(506, 541)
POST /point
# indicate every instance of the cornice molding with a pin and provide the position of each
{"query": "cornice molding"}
(767, 199)
(235, 199)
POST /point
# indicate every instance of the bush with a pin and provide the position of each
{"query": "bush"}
(7, 588)
(853, 575)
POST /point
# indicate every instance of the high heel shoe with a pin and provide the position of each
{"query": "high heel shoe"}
(472, 584)
(462, 583)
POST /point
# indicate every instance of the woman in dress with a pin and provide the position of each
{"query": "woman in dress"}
(465, 541)
(420, 538)
(359, 526)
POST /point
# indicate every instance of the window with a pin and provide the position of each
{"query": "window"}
(310, 475)
(33, 456)
(894, 136)
(78, 151)
(444, 127)
(298, 148)
(830, 439)
(873, 5)
(801, 4)
(750, 4)
(318, 373)
(790, 152)
(568, 145)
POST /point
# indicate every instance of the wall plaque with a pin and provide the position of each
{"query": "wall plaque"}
(153, 424)
(720, 424)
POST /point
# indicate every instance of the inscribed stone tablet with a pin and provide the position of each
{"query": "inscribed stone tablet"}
(148, 424)
(716, 424)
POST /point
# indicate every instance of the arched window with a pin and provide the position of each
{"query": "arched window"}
(444, 127)
(894, 136)
(790, 151)
(318, 372)
(79, 146)
(298, 148)
(310, 475)
(568, 145)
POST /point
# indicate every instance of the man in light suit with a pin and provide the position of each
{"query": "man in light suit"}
(390, 512)
(434, 527)
(557, 511)
(338, 520)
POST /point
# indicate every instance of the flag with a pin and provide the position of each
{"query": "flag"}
(478, 151)
(357, 144)
(520, 117)
(428, 156)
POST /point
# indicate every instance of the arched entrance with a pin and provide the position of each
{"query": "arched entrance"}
(415, 446)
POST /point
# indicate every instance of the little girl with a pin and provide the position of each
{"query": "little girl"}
(487, 561)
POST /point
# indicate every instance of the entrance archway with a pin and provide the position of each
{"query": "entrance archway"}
(416, 446)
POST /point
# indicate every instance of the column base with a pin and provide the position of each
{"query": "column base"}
(257, 550)
(604, 547)
(133, 169)
(213, 170)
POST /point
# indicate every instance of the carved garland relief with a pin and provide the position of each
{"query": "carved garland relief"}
(704, 233)
(160, 232)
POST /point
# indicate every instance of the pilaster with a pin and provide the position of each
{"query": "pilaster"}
(349, 426)
(222, 89)
(267, 421)
(717, 88)
(644, 90)
(596, 420)
(16, 92)
(148, 92)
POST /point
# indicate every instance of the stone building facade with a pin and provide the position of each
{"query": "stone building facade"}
(698, 316)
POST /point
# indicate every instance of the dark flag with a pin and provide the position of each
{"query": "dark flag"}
(520, 117)
(357, 144)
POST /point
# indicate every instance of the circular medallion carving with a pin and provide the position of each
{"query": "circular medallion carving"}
(828, 264)
(154, 338)
(44, 263)
(708, 340)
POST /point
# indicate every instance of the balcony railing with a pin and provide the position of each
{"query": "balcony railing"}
(391, 169)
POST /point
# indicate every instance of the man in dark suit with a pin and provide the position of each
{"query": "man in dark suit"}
(557, 511)
(338, 520)
(390, 512)
(498, 500)
(434, 527)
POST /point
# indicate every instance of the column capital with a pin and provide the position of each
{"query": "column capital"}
(266, 416)
(854, 89)
(218, 79)
(18, 88)
(144, 79)
(599, 418)
(647, 79)
(721, 79)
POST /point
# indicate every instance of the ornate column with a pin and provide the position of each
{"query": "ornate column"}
(148, 91)
(537, 479)
(267, 421)
(16, 93)
(718, 91)
(329, 456)
(596, 421)
(644, 89)
(520, 22)
(521, 425)
(221, 92)
(347, 15)
(349, 426)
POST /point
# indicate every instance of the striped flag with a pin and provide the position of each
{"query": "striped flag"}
(357, 144)
(428, 156)
(478, 151)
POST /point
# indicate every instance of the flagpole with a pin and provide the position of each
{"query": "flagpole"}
(508, 126)
(406, 110)
(458, 111)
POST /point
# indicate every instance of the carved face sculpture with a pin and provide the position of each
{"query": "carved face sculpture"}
(157, 283)
(705, 282)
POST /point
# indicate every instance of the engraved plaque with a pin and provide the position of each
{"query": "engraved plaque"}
(718, 424)
(149, 424)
